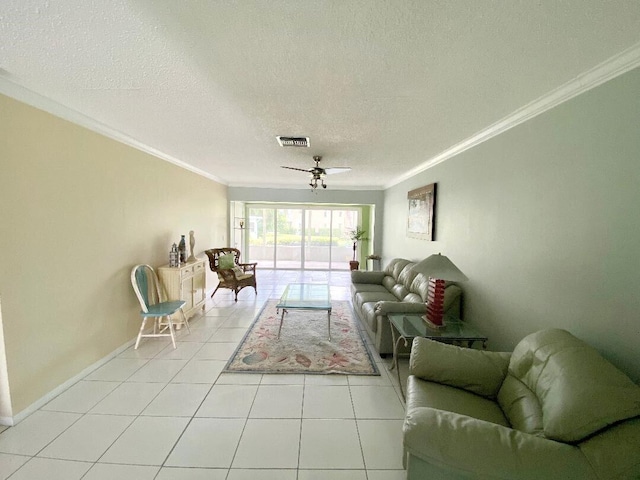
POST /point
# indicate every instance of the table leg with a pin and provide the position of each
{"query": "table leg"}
(281, 320)
(394, 364)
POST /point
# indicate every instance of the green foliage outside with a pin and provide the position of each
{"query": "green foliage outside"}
(288, 239)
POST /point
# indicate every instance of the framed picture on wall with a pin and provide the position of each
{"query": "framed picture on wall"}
(421, 219)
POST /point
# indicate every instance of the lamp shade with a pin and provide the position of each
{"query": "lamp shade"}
(439, 266)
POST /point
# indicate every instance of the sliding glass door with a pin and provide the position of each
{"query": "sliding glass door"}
(301, 237)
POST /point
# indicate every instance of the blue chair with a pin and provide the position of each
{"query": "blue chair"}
(145, 284)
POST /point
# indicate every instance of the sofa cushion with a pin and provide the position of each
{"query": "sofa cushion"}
(389, 282)
(366, 287)
(407, 275)
(451, 399)
(578, 390)
(399, 291)
(361, 298)
(395, 267)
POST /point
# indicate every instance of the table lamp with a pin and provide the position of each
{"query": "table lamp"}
(439, 269)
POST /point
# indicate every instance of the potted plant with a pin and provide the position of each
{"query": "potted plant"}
(356, 236)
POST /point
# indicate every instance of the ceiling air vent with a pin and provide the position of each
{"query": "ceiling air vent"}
(293, 141)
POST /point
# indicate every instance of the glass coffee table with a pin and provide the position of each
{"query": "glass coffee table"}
(408, 326)
(305, 296)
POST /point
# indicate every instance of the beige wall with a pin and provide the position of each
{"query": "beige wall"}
(78, 210)
(544, 221)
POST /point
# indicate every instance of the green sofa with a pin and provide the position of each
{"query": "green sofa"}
(552, 409)
(396, 289)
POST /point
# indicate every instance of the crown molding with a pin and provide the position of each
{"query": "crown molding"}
(615, 66)
(25, 95)
(301, 186)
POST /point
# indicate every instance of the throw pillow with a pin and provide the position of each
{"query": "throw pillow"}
(226, 261)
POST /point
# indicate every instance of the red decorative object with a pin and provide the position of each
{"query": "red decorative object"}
(435, 301)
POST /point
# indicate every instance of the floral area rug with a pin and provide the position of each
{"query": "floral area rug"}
(304, 345)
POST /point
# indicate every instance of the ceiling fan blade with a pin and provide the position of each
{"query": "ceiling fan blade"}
(298, 169)
(331, 170)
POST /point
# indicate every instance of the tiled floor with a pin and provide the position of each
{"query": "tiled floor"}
(165, 414)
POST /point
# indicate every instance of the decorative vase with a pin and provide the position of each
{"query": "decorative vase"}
(174, 256)
(182, 248)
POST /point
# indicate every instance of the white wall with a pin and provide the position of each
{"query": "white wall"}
(544, 221)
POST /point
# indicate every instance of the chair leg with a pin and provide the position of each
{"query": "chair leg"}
(214, 292)
(171, 331)
(185, 320)
(236, 292)
(144, 320)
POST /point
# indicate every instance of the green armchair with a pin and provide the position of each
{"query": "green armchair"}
(552, 409)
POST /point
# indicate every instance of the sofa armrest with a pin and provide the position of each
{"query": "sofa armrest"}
(358, 276)
(486, 450)
(386, 307)
(477, 371)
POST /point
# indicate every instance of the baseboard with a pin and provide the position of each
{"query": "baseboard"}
(42, 401)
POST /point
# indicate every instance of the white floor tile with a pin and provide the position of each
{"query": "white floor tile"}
(268, 443)
(239, 379)
(177, 473)
(183, 351)
(381, 380)
(147, 441)
(198, 335)
(10, 463)
(117, 369)
(106, 471)
(327, 401)
(385, 475)
(277, 401)
(81, 397)
(228, 401)
(239, 321)
(207, 442)
(228, 335)
(332, 379)
(178, 400)
(34, 433)
(283, 379)
(148, 348)
(130, 398)
(381, 442)
(51, 469)
(330, 444)
(376, 402)
(200, 371)
(88, 438)
(332, 475)
(262, 474)
(216, 351)
(158, 370)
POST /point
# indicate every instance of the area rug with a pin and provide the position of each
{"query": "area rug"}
(304, 345)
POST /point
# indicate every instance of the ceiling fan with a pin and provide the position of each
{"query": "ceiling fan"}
(318, 173)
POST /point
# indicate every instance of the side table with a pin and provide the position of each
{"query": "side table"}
(408, 326)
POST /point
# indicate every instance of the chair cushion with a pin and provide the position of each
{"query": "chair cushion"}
(226, 261)
(579, 391)
(241, 274)
(451, 399)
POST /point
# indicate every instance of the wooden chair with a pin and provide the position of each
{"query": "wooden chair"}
(232, 274)
(147, 288)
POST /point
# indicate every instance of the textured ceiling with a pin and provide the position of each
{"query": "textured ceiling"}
(382, 86)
